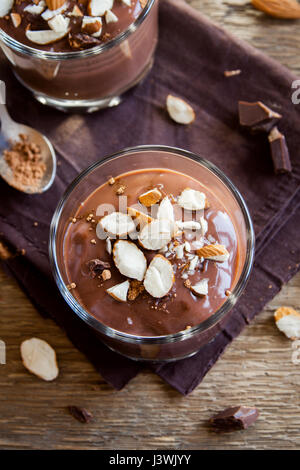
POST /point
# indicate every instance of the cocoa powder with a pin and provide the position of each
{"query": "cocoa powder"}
(25, 161)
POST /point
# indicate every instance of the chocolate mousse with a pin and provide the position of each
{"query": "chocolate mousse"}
(65, 26)
(158, 258)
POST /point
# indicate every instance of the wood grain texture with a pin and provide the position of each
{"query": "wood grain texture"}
(255, 370)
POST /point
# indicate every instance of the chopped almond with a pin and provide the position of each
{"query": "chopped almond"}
(201, 288)
(99, 7)
(180, 111)
(141, 218)
(119, 291)
(106, 274)
(5, 7)
(159, 277)
(45, 36)
(165, 210)
(39, 358)
(157, 234)
(150, 197)
(214, 252)
(191, 199)
(117, 224)
(16, 19)
(54, 4)
(135, 289)
(129, 259)
(288, 321)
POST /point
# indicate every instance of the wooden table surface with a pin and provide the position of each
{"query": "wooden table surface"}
(255, 370)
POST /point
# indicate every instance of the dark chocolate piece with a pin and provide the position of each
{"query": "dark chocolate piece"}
(280, 152)
(234, 419)
(81, 414)
(82, 41)
(97, 266)
(257, 117)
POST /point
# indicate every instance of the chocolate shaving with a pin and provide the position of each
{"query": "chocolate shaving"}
(280, 152)
(97, 266)
(81, 414)
(234, 419)
(82, 41)
(257, 117)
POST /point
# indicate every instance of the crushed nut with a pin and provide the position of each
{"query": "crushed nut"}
(106, 274)
(135, 289)
(111, 181)
(121, 190)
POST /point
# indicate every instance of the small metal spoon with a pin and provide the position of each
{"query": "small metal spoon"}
(10, 131)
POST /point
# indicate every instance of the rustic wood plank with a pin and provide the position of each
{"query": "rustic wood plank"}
(256, 369)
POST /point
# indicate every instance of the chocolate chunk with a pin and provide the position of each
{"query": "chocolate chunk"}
(235, 418)
(280, 152)
(97, 266)
(81, 414)
(82, 41)
(257, 117)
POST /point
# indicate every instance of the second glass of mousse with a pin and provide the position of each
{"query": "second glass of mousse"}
(79, 55)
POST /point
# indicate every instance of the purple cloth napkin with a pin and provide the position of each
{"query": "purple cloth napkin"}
(190, 62)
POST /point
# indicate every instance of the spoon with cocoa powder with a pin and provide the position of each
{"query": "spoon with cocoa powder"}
(27, 158)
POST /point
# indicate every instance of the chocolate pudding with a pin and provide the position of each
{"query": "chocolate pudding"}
(143, 281)
(69, 53)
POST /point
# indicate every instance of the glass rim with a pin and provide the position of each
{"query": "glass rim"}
(181, 335)
(40, 54)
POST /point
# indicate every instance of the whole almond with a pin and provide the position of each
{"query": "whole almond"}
(215, 251)
(54, 4)
(288, 9)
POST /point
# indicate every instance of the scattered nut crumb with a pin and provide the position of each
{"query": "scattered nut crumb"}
(232, 73)
(106, 274)
(228, 292)
(81, 414)
(74, 220)
(35, 224)
(71, 286)
(111, 181)
(187, 283)
(135, 289)
(93, 241)
(121, 190)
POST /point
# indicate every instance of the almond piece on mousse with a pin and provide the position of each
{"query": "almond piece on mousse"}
(110, 17)
(192, 200)
(16, 19)
(188, 225)
(59, 23)
(157, 234)
(159, 277)
(117, 224)
(55, 4)
(45, 36)
(99, 7)
(201, 288)
(165, 210)
(129, 260)
(35, 9)
(150, 197)
(50, 13)
(5, 7)
(76, 11)
(214, 252)
(119, 291)
(142, 219)
(288, 322)
(39, 358)
(92, 25)
(180, 111)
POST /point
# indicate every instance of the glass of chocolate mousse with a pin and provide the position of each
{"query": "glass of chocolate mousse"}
(79, 55)
(152, 247)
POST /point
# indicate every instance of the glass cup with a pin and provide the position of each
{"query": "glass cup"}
(91, 79)
(184, 343)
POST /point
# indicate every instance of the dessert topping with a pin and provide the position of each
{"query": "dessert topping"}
(59, 23)
(135, 289)
(150, 197)
(108, 245)
(157, 234)
(82, 41)
(45, 36)
(129, 259)
(110, 17)
(201, 288)
(92, 26)
(117, 224)
(159, 277)
(140, 218)
(99, 7)
(5, 7)
(188, 225)
(16, 19)
(39, 358)
(234, 418)
(165, 210)
(96, 267)
(50, 13)
(106, 275)
(180, 111)
(119, 291)
(288, 321)
(76, 11)
(191, 199)
(214, 252)
(55, 4)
